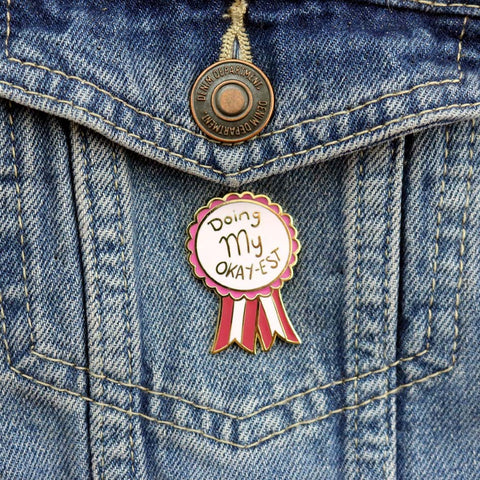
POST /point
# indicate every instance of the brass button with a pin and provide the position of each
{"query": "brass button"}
(232, 101)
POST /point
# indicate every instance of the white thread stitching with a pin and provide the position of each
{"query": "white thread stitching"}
(127, 302)
(386, 95)
(200, 432)
(255, 167)
(98, 324)
(221, 412)
(386, 298)
(227, 442)
(358, 279)
(20, 225)
(86, 82)
(462, 241)
(443, 4)
(437, 238)
(359, 107)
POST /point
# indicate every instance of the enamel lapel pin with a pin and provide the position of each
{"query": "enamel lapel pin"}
(244, 247)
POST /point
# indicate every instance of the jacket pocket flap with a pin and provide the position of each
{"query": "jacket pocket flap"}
(341, 84)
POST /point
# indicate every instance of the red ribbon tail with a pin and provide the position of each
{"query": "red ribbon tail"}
(237, 324)
(249, 325)
(290, 333)
(240, 321)
(264, 332)
(222, 340)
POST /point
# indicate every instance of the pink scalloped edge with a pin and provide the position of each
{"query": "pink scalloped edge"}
(221, 290)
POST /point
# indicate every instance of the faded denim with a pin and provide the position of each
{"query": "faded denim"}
(373, 149)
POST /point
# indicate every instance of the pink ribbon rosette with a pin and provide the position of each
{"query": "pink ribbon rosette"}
(244, 247)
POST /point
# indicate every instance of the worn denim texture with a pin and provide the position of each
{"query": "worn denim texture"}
(373, 149)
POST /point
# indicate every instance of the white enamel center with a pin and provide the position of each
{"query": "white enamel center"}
(243, 245)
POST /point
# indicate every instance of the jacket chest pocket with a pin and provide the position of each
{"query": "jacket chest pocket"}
(100, 303)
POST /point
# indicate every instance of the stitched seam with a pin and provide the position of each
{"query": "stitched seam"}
(153, 117)
(359, 107)
(386, 298)
(121, 234)
(98, 331)
(112, 124)
(83, 81)
(459, 50)
(228, 442)
(260, 410)
(358, 285)
(387, 95)
(462, 240)
(255, 167)
(113, 97)
(440, 208)
(221, 412)
(200, 432)
(353, 135)
(443, 4)
(20, 225)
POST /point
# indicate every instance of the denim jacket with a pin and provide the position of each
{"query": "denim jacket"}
(374, 151)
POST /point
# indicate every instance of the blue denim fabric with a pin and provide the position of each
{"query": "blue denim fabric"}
(373, 149)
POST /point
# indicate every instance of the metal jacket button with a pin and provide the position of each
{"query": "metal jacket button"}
(232, 101)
